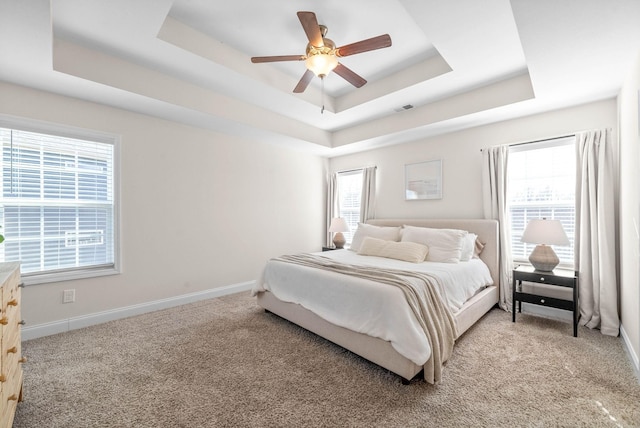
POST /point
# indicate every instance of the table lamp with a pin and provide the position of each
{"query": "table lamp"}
(544, 233)
(337, 226)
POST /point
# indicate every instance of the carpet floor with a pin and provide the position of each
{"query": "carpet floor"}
(224, 362)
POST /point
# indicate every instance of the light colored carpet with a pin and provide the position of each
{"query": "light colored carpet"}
(225, 363)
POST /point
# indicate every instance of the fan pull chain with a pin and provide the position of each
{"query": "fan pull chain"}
(322, 100)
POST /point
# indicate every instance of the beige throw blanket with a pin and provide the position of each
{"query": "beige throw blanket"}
(420, 290)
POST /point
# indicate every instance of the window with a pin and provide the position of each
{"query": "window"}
(542, 185)
(57, 207)
(349, 194)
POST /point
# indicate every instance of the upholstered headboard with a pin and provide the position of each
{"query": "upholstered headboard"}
(487, 231)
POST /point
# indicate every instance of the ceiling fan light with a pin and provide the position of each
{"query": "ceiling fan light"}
(321, 64)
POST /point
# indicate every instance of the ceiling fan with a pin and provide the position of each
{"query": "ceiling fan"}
(321, 56)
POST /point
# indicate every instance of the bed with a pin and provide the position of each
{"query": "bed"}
(380, 348)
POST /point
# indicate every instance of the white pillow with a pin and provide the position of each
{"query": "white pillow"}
(468, 247)
(391, 233)
(407, 251)
(445, 245)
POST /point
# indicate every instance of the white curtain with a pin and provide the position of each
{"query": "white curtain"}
(494, 195)
(595, 240)
(333, 204)
(368, 197)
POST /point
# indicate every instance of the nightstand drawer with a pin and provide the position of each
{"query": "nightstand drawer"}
(545, 278)
(545, 301)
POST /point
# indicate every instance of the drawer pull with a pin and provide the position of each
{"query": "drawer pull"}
(23, 322)
(12, 350)
(13, 302)
(12, 397)
(3, 378)
(541, 300)
(4, 320)
(542, 278)
(22, 360)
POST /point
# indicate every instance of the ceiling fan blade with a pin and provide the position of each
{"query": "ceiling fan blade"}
(379, 42)
(349, 76)
(304, 82)
(257, 59)
(311, 28)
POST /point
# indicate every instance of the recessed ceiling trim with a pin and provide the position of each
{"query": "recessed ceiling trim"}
(509, 91)
(101, 68)
(189, 39)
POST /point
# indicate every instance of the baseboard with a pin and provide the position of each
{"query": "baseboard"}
(635, 361)
(61, 326)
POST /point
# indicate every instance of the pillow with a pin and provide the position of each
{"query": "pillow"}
(445, 245)
(479, 246)
(407, 251)
(380, 232)
(468, 247)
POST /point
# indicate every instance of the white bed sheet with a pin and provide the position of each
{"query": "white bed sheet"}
(368, 307)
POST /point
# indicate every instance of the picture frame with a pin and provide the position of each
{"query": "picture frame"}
(423, 180)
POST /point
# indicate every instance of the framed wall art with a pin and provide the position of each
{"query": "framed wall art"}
(423, 180)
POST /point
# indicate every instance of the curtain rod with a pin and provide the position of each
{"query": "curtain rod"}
(355, 169)
(539, 141)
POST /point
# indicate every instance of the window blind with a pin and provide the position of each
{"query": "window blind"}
(349, 195)
(57, 207)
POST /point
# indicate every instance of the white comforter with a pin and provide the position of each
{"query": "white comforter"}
(375, 309)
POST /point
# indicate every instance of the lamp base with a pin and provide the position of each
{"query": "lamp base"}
(543, 258)
(338, 240)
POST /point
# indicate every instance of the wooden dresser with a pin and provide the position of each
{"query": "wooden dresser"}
(11, 358)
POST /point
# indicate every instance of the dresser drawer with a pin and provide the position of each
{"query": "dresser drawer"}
(9, 397)
(13, 375)
(11, 352)
(11, 311)
(11, 290)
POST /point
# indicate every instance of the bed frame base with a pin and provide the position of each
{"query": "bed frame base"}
(376, 350)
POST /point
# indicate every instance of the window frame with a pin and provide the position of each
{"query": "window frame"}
(360, 172)
(66, 131)
(568, 140)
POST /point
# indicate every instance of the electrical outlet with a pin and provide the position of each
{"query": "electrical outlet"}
(69, 296)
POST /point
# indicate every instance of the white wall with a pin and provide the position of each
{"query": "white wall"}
(462, 163)
(628, 104)
(462, 159)
(199, 210)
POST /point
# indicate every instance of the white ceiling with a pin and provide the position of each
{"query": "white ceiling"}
(459, 63)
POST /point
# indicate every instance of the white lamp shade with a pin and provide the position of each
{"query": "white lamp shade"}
(547, 232)
(338, 224)
(321, 64)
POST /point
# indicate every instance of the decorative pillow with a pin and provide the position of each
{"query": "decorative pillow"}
(468, 246)
(479, 246)
(407, 251)
(391, 233)
(445, 245)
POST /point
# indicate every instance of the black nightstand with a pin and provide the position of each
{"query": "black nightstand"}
(328, 248)
(559, 277)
